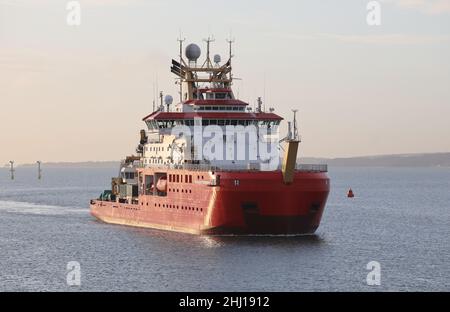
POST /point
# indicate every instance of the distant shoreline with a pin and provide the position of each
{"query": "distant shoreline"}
(83, 164)
(399, 160)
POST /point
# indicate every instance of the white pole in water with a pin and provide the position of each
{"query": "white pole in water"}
(12, 169)
(39, 170)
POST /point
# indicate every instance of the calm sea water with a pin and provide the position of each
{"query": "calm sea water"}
(400, 218)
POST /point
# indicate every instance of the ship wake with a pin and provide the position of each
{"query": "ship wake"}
(38, 209)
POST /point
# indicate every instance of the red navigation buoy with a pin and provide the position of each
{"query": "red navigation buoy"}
(350, 193)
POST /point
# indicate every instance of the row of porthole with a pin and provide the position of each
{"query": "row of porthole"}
(132, 208)
(178, 207)
(177, 191)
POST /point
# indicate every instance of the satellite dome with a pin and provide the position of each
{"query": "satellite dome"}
(217, 59)
(193, 52)
(168, 99)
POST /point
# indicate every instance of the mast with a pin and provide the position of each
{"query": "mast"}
(208, 58)
(180, 41)
(230, 43)
(296, 135)
(191, 75)
(161, 96)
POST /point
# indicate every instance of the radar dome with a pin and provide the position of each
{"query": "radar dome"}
(168, 99)
(193, 52)
(217, 59)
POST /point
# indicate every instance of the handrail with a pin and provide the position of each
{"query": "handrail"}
(205, 168)
(312, 167)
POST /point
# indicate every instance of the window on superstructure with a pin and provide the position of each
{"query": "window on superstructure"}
(221, 96)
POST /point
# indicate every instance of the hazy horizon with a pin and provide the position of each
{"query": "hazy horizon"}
(71, 94)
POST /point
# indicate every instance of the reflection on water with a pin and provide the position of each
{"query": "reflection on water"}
(265, 240)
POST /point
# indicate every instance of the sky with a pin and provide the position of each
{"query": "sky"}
(79, 93)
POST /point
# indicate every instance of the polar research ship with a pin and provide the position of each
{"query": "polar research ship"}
(213, 165)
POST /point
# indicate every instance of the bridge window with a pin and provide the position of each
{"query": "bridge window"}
(221, 96)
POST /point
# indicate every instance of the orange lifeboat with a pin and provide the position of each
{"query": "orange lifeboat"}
(350, 194)
(162, 185)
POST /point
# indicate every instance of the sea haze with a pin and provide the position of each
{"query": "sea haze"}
(400, 218)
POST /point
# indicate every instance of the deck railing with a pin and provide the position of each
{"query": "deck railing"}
(205, 168)
(312, 168)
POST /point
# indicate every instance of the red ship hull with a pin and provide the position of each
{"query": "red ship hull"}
(246, 202)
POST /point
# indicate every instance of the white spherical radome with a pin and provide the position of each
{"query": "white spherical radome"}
(168, 99)
(193, 52)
